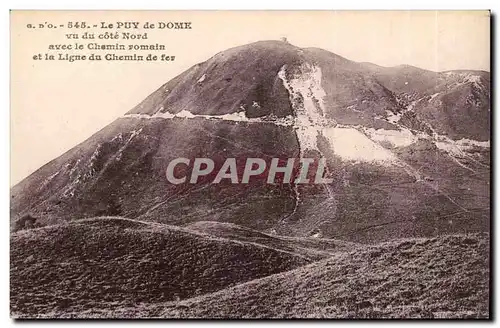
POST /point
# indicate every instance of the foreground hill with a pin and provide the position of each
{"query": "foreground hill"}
(115, 262)
(440, 277)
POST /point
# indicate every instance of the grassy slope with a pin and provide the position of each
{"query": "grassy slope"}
(313, 248)
(118, 268)
(114, 262)
(444, 277)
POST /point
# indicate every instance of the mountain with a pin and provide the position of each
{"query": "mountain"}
(407, 149)
(399, 230)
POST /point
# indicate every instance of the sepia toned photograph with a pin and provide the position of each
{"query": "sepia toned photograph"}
(250, 164)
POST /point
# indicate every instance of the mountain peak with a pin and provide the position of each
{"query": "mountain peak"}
(231, 80)
(271, 99)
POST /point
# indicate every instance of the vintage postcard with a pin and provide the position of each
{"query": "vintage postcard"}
(250, 164)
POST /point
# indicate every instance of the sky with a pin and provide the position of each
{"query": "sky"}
(56, 104)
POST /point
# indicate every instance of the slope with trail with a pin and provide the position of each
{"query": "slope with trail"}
(407, 149)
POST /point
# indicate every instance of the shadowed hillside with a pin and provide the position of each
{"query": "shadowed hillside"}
(106, 262)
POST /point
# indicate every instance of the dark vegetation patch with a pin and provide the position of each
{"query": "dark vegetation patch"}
(114, 263)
